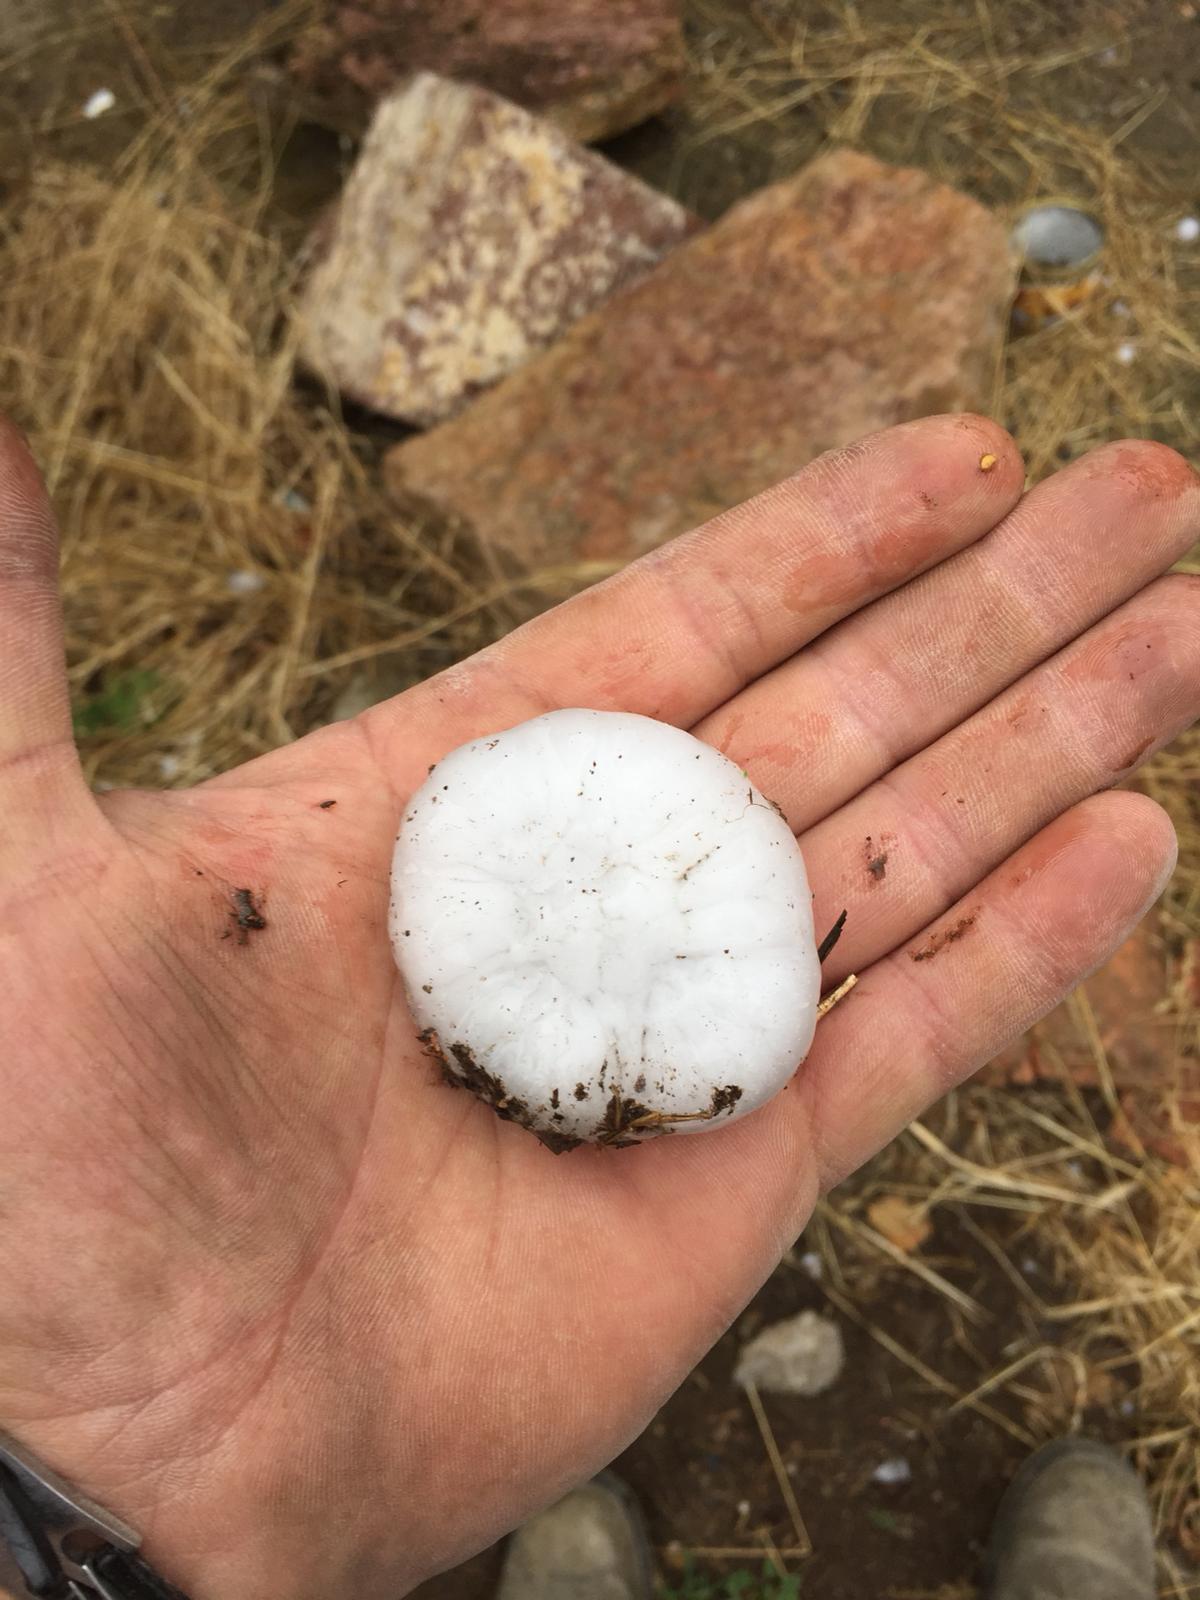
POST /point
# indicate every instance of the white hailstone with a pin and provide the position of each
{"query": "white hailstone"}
(1187, 230)
(604, 929)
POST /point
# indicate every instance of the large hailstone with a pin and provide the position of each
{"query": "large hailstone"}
(604, 929)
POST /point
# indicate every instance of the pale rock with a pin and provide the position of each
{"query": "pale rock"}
(469, 236)
(801, 1355)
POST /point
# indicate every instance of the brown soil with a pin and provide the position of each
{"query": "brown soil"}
(941, 938)
(704, 1473)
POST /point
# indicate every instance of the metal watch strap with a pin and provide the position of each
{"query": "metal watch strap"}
(63, 1545)
(122, 1575)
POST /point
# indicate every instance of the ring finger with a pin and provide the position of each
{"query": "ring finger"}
(906, 848)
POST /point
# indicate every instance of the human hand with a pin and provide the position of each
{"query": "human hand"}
(317, 1324)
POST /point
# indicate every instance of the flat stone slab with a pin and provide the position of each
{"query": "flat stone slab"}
(469, 236)
(842, 300)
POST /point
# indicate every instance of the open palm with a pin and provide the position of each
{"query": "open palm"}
(316, 1323)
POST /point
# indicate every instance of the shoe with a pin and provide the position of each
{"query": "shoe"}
(1074, 1525)
(590, 1546)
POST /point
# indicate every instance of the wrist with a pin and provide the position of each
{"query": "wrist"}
(208, 1544)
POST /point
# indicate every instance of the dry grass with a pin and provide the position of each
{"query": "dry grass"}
(230, 564)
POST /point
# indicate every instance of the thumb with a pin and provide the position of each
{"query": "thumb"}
(43, 797)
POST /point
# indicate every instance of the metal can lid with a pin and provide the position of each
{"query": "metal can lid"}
(1054, 237)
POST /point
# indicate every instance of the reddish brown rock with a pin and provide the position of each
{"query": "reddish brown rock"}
(1135, 1026)
(849, 297)
(594, 67)
(1125, 1031)
(469, 236)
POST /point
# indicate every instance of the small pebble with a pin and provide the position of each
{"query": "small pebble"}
(801, 1355)
(97, 104)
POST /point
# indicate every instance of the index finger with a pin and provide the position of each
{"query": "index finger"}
(678, 632)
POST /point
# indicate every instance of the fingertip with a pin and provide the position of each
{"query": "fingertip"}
(1148, 469)
(969, 432)
(927, 489)
(1139, 832)
(969, 437)
(19, 471)
(28, 545)
(12, 434)
(989, 454)
(983, 430)
(1147, 828)
(958, 461)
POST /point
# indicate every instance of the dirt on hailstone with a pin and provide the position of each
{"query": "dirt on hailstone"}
(624, 1120)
